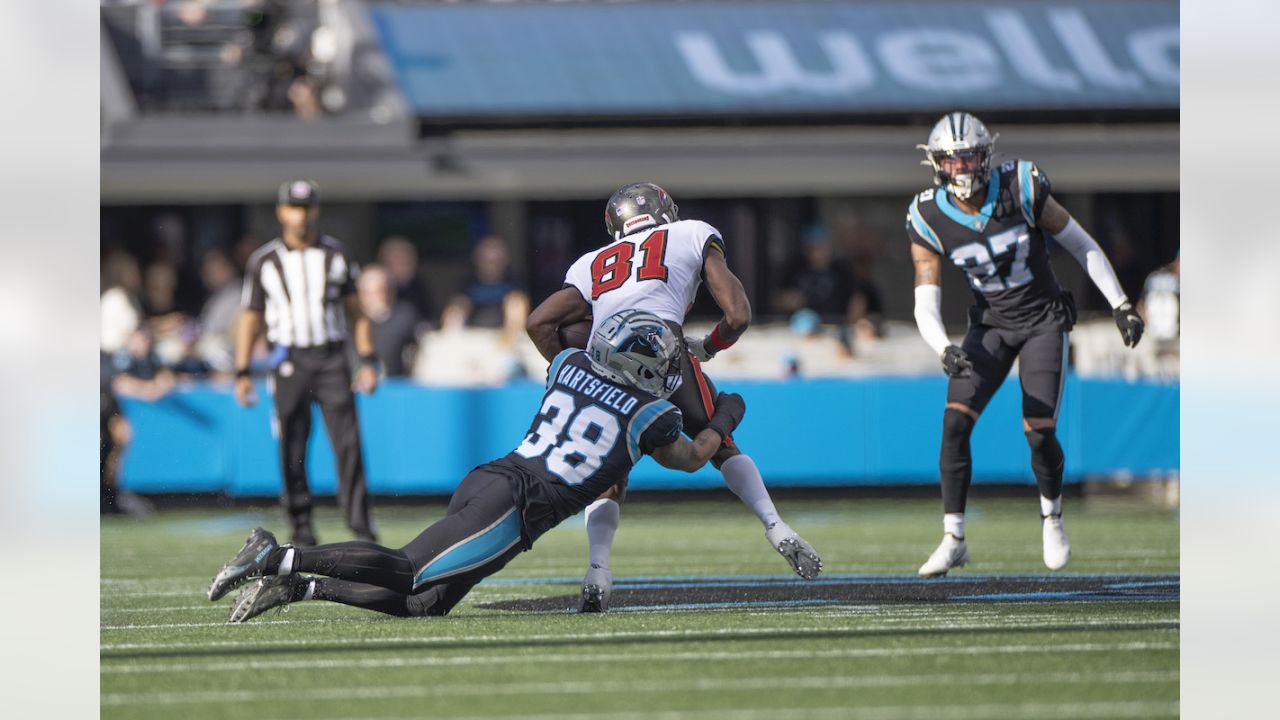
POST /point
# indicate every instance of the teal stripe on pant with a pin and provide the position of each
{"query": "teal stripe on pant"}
(474, 551)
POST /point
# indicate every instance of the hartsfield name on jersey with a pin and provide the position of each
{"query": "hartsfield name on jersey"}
(581, 381)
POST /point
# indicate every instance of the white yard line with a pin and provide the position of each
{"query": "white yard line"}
(614, 687)
(631, 657)
(507, 640)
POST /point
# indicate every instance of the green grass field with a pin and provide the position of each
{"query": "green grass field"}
(166, 652)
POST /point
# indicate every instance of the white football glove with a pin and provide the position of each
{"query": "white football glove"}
(699, 350)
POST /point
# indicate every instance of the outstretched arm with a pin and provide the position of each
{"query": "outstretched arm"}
(1056, 221)
(732, 299)
(562, 307)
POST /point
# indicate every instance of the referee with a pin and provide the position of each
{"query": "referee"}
(299, 284)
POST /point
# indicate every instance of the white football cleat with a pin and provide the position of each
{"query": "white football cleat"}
(952, 552)
(1057, 549)
(804, 560)
(597, 585)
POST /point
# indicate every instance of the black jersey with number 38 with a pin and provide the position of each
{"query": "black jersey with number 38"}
(587, 435)
(1002, 250)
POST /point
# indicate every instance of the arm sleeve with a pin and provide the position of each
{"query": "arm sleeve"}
(663, 431)
(929, 317)
(1085, 250)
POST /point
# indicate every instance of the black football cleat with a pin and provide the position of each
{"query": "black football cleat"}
(274, 591)
(250, 562)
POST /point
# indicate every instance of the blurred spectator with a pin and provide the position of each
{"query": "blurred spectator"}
(400, 259)
(218, 316)
(393, 322)
(491, 299)
(189, 363)
(138, 370)
(815, 279)
(1160, 307)
(274, 55)
(120, 305)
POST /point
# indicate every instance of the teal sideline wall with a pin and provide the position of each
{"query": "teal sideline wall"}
(803, 433)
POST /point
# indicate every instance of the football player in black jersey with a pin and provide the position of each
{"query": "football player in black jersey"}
(992, 223)
(600, 414)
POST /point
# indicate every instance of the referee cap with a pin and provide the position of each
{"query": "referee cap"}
(299, 192)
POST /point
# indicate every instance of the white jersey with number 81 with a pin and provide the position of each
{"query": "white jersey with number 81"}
(657, 270)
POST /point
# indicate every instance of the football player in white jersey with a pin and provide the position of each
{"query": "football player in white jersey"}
(655, 263)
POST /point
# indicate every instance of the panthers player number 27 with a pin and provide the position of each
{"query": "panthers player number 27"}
(1002, 266)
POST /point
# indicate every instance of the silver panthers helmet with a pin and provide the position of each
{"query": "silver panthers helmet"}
(637, 348)
(637, 206)
(959, 134)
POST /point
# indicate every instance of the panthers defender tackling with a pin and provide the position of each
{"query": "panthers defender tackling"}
(992, 224)
(655, 263)
(600, 414)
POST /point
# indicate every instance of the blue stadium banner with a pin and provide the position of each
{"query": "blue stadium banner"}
(869, 431)
(654, 59)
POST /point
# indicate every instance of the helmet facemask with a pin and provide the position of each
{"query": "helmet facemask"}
(966, 184)
(960, 134)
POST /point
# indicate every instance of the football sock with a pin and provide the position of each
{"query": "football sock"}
(1046, 461)
(358, 561)
(955, 464)
(743, 478)
(602, 522)
(1050, 507)
(286, 563)
(953, 524)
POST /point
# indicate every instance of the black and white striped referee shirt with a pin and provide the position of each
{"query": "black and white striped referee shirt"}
(300, 292)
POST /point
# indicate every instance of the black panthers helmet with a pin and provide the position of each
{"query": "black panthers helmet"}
(638, 206)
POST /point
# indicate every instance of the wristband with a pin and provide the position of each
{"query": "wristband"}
(717, 342)
(242, 373)
(370, 359)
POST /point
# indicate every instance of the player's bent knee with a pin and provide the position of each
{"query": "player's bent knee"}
(1042, 439)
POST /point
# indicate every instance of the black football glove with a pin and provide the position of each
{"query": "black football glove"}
(1130, 324)
(730, 407)
(955, 362)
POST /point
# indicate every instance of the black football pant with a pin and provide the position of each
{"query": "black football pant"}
(477, 537)
(320, 375)
(1042, 366)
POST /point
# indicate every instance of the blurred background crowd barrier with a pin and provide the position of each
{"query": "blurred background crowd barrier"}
(465, 149)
